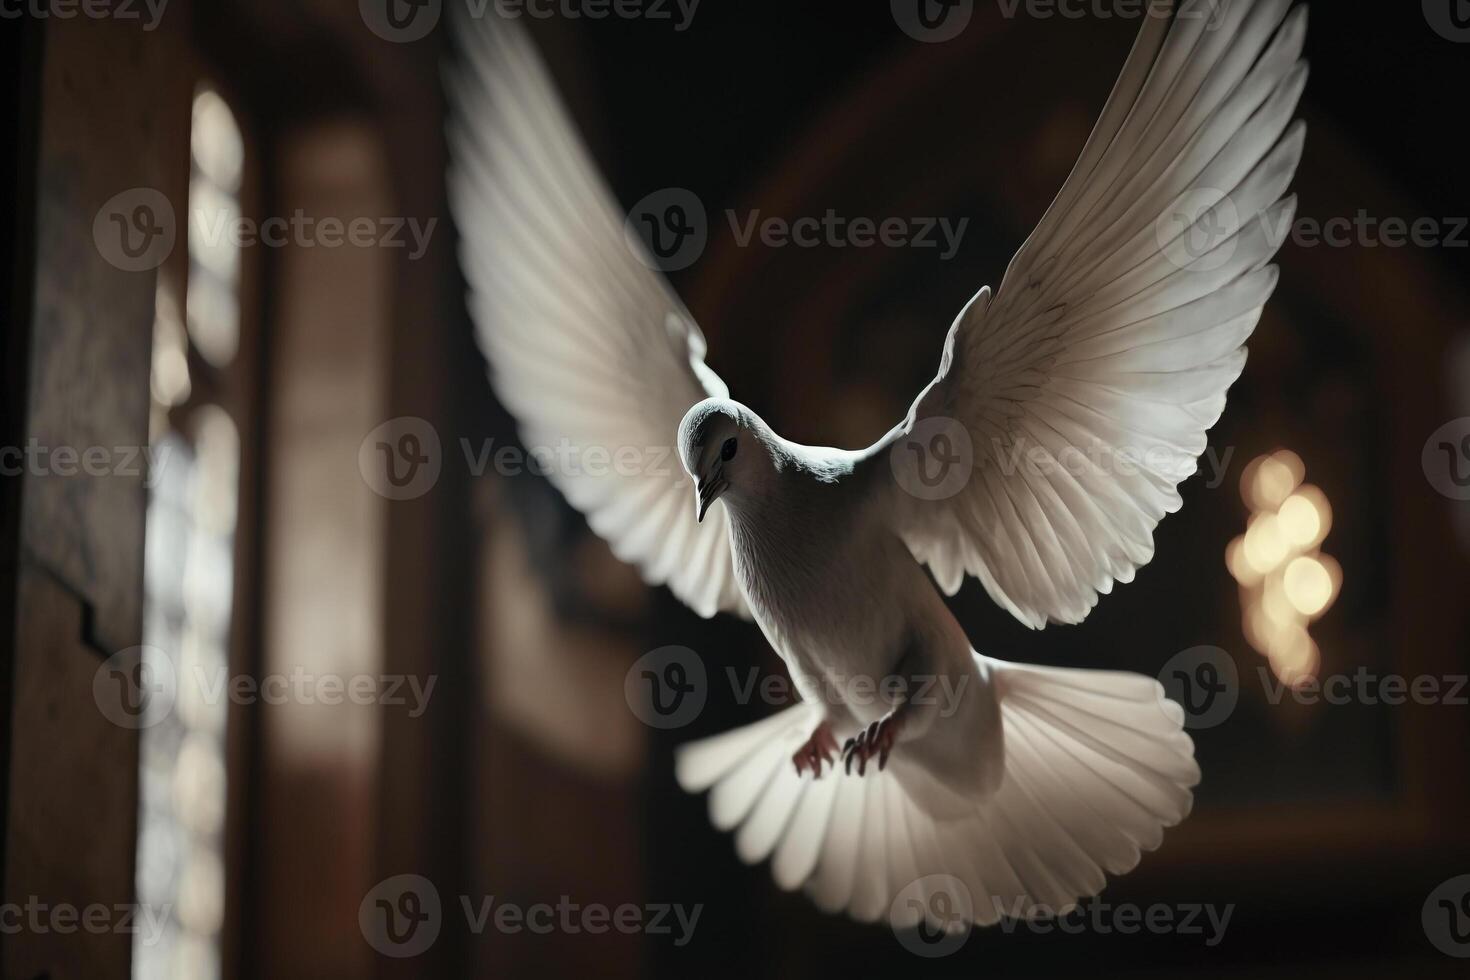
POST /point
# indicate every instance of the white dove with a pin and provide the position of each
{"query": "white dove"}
(1082, 389)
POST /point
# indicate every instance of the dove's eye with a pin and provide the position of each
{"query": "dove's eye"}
(727, 451)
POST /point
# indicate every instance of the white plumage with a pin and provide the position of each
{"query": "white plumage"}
(1085, 387)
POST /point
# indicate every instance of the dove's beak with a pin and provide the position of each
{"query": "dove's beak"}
(708, 490)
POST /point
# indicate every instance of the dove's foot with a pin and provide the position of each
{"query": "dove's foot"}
(875, 740)
(821, 747)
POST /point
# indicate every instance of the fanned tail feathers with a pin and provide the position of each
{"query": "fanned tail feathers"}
(1097, 765)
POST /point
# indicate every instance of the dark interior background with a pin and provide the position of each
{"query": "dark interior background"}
(1326, 827)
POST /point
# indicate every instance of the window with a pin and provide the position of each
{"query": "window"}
(189, 567)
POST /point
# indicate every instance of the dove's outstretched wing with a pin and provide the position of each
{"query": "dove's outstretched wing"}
(1087, 383)
(588, 345)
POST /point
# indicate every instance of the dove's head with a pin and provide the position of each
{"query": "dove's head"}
(725, 448)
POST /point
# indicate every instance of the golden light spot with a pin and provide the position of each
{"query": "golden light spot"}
(1279, 609)
(1299, 520)
(1285, 582)
(1240, 567)
(1309, 586)
(1296, 658)
(1293, 464)
(1306, 517)
(1265, 547)
(1273, 480)
(1258, 627)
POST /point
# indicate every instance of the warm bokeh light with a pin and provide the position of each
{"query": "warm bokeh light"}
(1308, 586)
(1257, 626)
(1239, 565)
(1269, 480)
(1300, 522)
(1279, 608)
(1293, 464)
(1285, 583)
(1295, 657)
(1265, 546)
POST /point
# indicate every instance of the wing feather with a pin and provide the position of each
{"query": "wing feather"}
(1088, 382)
(588, 345)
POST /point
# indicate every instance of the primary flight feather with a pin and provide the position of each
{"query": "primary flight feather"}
(1076, 399)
